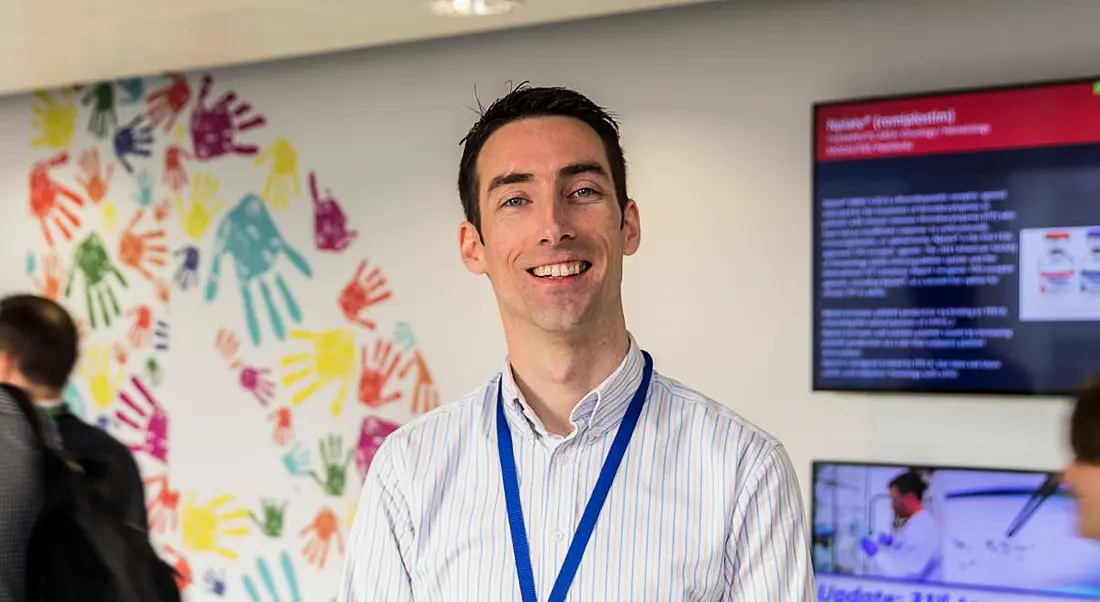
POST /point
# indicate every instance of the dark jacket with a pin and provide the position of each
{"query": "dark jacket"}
(20, 495)
(88, 442)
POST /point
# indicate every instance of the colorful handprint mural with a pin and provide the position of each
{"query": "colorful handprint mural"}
(235, 329)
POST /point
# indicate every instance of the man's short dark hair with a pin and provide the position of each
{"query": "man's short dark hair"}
(42, 338)
(1084, 423)
(525, 102)
(909, 482)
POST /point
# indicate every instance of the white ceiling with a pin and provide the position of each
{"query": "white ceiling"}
(46, 43)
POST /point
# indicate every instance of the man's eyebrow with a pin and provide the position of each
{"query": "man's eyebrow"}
(509, 178)
(582, 168)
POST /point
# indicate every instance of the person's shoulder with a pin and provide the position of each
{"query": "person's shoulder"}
(729, 426)
(83, 438)
(448, 422)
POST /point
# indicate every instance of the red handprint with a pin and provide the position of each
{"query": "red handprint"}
(175, 176)
(214, 128)
(163, 290)
(164, 507)
(162, 209)
(372, 433)
(184, 576)
(362, 293)
(142, 329)
(256, 382)
(45, 204)
(376, 373)
(151, 421)
(425, 395)
(323, 528)
(49, 285)
(93, 178)
(167, 103)
(284, 433)
(137, 250)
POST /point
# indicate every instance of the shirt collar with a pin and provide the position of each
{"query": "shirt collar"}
(597, 412)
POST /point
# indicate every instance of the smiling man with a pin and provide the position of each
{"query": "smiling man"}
(578, 471)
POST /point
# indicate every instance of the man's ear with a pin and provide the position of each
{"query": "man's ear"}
(471, 248)
(632, 228)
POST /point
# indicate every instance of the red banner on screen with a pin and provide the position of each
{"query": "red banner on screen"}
(1015, 118)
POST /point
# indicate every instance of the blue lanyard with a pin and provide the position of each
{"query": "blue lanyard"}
(520, 547)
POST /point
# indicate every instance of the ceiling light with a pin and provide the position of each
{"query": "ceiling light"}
(473, 8)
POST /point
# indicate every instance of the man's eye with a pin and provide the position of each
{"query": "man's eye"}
(515, 201)
(586, 192)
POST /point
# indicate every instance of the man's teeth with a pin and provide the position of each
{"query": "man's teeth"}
(561, 270)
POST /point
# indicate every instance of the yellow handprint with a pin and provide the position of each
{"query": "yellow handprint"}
(108, 216)
(203, 207)
(203, 526)
(332, 359)
(97, 371)
(283, 176)
(55, 121)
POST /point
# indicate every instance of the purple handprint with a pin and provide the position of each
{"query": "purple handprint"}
(150, 420)
(214, 128)
(330, 225)
(371, 435)
(134, 138)
(255, 381)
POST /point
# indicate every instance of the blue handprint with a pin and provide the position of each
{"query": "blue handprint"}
(144, 194)
(188, 272)
(248, 234)
(134, 138)
(296, 461)
(269, 582)
(215, 582)
(133, 90)
(75, 400)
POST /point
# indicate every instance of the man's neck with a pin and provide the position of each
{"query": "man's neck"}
(554, 375)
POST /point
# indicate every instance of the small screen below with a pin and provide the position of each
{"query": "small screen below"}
(924, 534)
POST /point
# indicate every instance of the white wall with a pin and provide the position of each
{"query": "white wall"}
(715, 105)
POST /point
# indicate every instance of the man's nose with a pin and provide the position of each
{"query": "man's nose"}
(556, 224)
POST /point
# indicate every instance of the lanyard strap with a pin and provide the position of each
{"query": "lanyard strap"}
(520, 546)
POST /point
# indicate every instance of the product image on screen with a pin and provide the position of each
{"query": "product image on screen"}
(928, 534)
(957, 241)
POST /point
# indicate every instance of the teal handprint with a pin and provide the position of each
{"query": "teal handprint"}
(296, 460)
(248, 235)
(273, 518)
(295, 593)
(91, 260)
(336, 469)
(31, 263)
(144, 194)
(74, 399)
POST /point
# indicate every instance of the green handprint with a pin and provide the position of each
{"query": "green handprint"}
(153, 374)
(272, 523)
(90, 259)
(103, 111)
(336, 473)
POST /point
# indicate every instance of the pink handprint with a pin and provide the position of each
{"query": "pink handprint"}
(151, 420)
(330, 223)
(371, 434)
(167, 103)
(175, 176)
(214, 129)
(255, 381)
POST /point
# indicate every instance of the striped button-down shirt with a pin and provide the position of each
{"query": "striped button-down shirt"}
(706, 506)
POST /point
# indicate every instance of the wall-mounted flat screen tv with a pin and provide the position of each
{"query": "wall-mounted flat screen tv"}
(930, 534)
(957, 241)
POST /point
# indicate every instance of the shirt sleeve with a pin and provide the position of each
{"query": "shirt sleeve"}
(376, 565)
(768, 553)
(914, 553)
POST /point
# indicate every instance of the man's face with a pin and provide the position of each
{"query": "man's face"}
(903, 503)
(554, 237)
(1083, 479)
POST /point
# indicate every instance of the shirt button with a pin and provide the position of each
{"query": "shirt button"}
(557, 535)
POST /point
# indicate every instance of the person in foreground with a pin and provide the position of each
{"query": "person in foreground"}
(39, 346)
(577, 470)
(1082, 476)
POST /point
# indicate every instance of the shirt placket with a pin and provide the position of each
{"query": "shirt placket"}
(560, 500)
